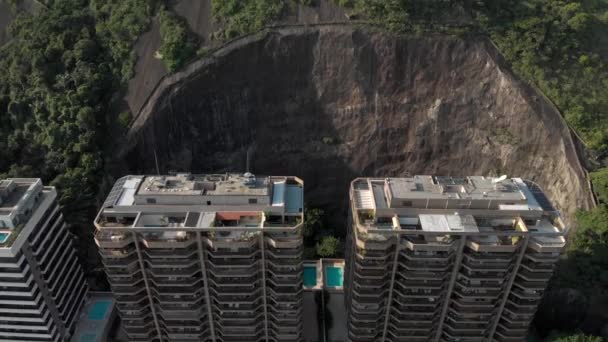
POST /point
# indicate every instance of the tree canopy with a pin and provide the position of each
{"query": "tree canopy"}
(60, 77)
(178, 44)
(328, 247)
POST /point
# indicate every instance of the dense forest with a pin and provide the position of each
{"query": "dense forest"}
(65, 72)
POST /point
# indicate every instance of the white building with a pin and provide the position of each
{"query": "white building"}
(42, 286)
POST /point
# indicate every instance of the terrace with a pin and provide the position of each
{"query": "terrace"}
(19, 199)
(497, 242)
(546, 236)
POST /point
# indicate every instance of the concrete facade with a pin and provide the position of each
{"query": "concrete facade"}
(447, 259)
(205, 257)
(42, 285)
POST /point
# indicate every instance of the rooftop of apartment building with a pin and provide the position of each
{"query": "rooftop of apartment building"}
(483, 206)
(19, 198)
(201, 201)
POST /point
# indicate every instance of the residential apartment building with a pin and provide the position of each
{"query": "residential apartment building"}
(42, 285)
(447, 259)
(205, 257)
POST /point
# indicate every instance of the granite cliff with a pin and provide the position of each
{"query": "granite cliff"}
(330, 103)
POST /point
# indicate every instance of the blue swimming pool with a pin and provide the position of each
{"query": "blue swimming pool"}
(3, 237)
(334, 276)
(99, 309)
(310, 276)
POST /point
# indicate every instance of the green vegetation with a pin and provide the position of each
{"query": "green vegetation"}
(328, 247)
(578, 292)
(599, 179)
(178, 45)
(558, 45)
(575, 338)
(313, 224)
(124, 118)
(586, 268)
(504, 136)
(555, 45)
(239, 17)
(118, 24)
(52, 96)
(58, 95)
(202, 51)
(329, 141)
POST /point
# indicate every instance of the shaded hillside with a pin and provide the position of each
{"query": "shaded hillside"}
(333, 103)
(6, 17)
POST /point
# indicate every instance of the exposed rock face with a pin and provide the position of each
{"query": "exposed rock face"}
(332, 103)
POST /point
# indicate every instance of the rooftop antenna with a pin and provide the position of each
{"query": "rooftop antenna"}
(156, 162)
(248, 162)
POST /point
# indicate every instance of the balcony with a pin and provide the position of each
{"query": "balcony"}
(285, 241)
(547, 244)
(526, 293)
(415, 243)
(547, 259)
(168, 239)
(112, 240)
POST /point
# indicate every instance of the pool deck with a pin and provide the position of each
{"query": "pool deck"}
(93, 325)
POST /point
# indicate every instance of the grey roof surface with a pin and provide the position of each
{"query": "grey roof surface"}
(474, 187)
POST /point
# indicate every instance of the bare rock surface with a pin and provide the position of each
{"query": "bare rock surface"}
(149, 68)
(331, 103)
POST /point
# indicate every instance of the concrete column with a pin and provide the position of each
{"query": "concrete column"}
(505, 296)
(145, 277)
(390, 291)
(201, 254)
(448, 295)
(264, 298)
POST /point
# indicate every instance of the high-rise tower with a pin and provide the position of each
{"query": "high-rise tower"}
(205, 257)
(447, 259)
(42, 286)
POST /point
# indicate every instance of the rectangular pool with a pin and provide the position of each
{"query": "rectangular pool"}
(3, 237)
(98, 310)
(334, 276)
(310, 276)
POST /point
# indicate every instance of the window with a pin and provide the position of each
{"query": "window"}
(151, 200)
(208, 202)
(253, 201)
(407, 203)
